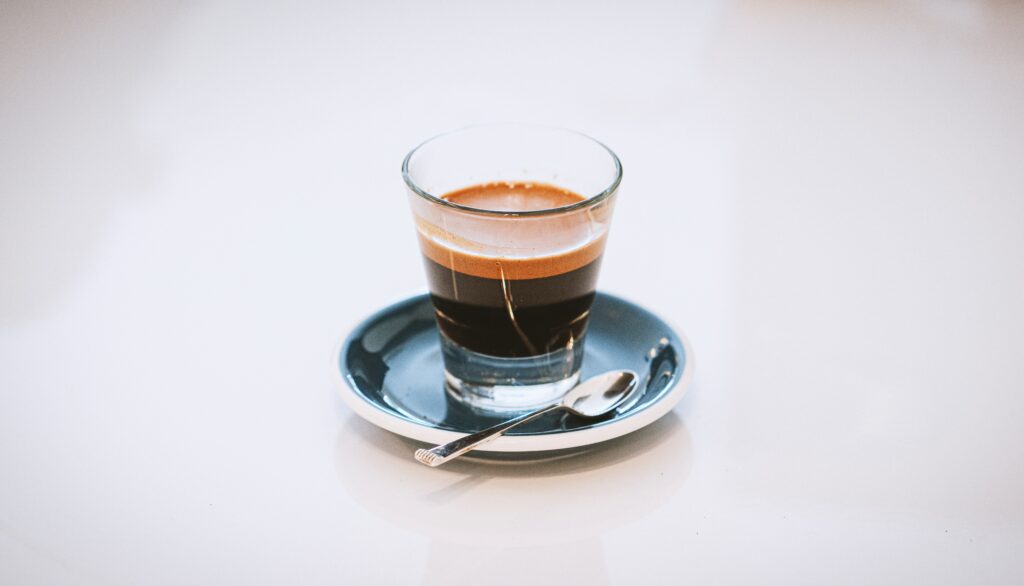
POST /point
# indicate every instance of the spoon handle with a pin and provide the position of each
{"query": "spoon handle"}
(439, 455)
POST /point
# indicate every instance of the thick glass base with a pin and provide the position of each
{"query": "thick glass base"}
(493, 383)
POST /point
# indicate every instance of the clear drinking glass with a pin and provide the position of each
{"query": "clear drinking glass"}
(512, 223)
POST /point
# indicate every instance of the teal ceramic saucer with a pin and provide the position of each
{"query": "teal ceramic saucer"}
(393, 377)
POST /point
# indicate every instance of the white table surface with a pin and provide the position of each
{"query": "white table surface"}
(198, 199)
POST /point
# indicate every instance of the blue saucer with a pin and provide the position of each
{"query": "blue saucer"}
(392, 365)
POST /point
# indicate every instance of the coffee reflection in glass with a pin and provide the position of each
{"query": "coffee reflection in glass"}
(512, 223)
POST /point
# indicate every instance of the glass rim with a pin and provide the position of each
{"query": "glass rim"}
(583, 203)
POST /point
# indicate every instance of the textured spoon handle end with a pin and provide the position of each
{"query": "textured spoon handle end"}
(429, 458)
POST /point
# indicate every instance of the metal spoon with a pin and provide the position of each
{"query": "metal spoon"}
(591, 398)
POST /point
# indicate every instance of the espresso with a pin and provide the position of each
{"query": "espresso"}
(515, 305)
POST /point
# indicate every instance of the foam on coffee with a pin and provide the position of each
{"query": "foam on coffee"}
(583, 244)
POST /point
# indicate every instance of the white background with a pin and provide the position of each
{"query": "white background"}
(198, 199)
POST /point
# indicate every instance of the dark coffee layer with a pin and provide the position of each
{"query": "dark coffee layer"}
(472, 290)
(512, 318)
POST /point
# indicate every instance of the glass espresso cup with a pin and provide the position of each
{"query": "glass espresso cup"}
(512, 223)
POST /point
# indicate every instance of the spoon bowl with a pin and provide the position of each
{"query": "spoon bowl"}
(600, 394)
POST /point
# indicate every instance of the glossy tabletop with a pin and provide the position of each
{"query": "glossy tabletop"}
(198, 200)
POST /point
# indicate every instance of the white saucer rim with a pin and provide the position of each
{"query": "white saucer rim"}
(636, 420)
